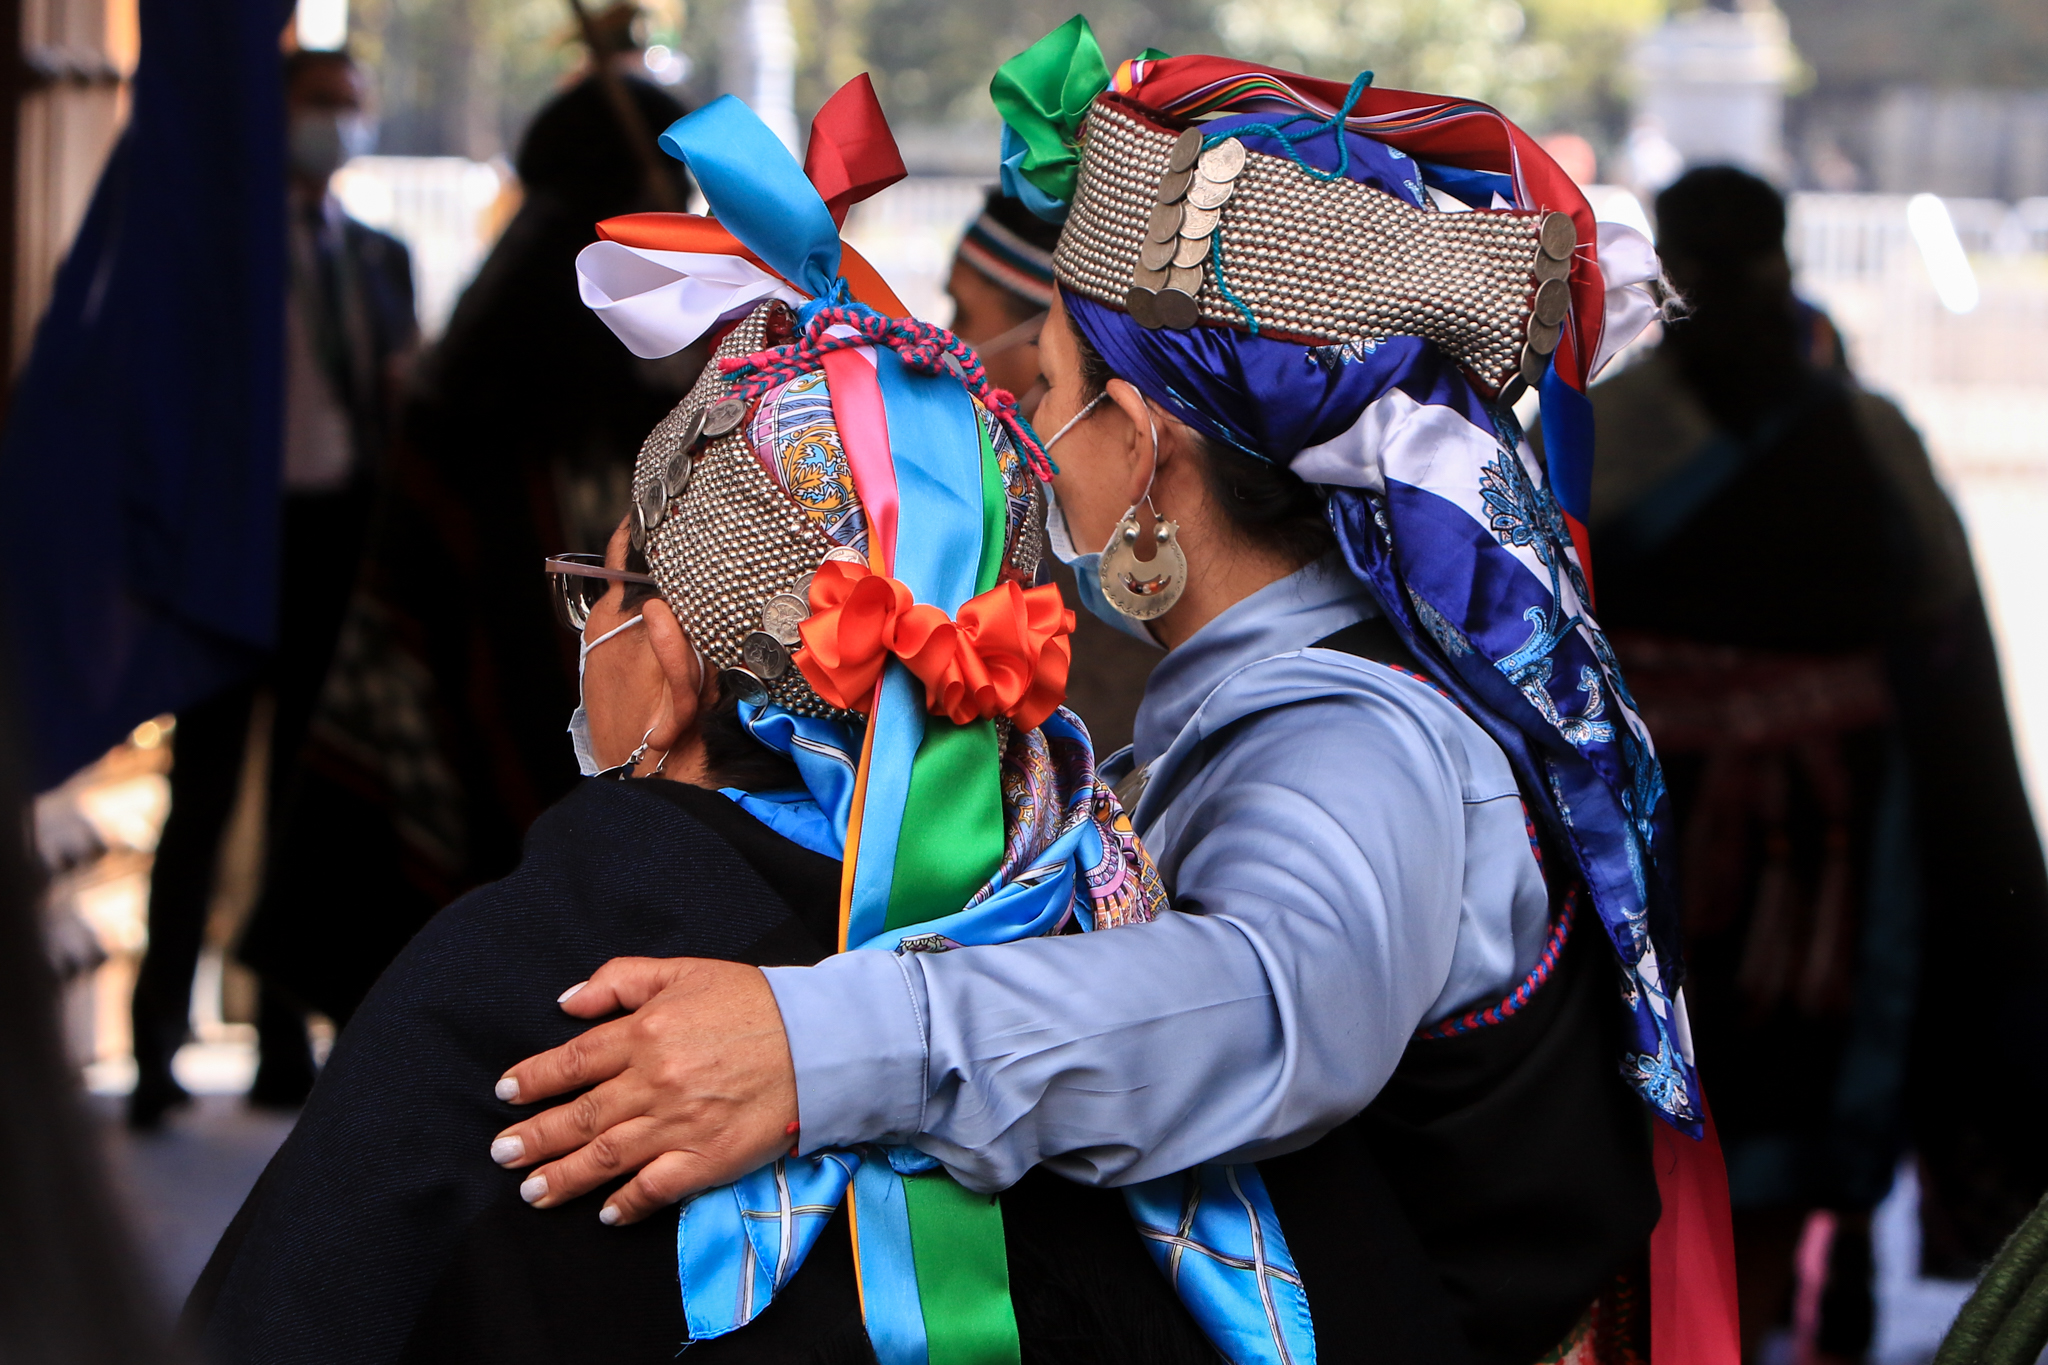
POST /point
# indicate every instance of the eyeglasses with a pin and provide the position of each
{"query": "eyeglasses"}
(581, 580)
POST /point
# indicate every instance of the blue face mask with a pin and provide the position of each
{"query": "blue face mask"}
(579, 719)
(1087, 567)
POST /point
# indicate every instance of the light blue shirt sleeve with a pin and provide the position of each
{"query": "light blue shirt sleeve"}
(1327, 904)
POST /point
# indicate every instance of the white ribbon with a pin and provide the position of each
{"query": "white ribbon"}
(1628, 263)
(658, 302)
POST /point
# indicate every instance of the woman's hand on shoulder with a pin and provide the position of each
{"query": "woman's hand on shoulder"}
(692, 1088)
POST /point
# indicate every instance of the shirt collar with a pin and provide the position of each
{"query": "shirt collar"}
(1288, 614)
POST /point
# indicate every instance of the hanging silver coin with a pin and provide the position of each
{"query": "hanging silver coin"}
(724, 416)
(1543, 340)
(738, 682)
(1143, 589)
(1142, 304)
(1205, 193)
(783, 615)
(1550, 268)
(676, 477)
(1559, 236)
(693, 429)
(1191, 251)
(1553, 299)
(764, 656)
(1199, 222)
(1154, 255)
(1186, 148)
(801, 590)
(652, 504)
(1222, 162)
(1173, 185)
(1175, 309)
(1149, 279)
(1165, 223)
(1534, 364)
(638, 534)
(1188, 280)
(840, 554)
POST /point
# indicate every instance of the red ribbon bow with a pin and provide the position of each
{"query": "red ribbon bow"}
(1006, 655)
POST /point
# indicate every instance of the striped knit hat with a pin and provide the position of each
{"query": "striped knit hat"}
(1012, 247)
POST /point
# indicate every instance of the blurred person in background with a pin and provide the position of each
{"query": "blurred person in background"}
(1001, 286)
(1791, 594)
(439, 737)
(349, 321)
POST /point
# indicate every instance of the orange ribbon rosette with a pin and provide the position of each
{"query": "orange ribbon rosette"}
(1006, 655)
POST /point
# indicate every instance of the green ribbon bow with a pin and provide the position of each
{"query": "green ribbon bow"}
(1043, 93)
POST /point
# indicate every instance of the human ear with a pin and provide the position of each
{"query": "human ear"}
(1144, 450)
(691, 689)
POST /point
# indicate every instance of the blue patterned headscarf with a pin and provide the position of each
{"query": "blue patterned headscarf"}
(1443, 511)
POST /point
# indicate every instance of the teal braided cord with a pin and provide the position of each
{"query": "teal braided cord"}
(2008, 1276)
(1278, 132)
(1223, 285)
(2025, 1331)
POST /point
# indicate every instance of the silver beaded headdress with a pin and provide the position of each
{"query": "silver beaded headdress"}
(1179, 230)
(731, 549)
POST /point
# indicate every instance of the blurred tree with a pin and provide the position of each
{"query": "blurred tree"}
(1545, 63)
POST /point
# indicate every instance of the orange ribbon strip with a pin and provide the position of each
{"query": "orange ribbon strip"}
(1007, 654)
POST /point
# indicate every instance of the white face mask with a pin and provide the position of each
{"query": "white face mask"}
(579, 720)
(1087, 567)
(321, 141)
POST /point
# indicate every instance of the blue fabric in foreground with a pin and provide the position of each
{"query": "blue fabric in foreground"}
(141, 460)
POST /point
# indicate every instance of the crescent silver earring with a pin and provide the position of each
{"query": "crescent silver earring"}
(1144, 589)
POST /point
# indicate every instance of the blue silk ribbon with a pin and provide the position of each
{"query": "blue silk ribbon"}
(759, 192)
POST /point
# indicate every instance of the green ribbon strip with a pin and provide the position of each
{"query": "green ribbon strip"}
(952, 839)
(963, 1272)
(1043, 93)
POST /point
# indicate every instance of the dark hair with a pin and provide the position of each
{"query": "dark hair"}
(1267, 504)
(1719, 214)
(577, 152)
(736, 758)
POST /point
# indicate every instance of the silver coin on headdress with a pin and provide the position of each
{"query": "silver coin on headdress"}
(738, 682)
(1205, 193)
(1173, 185)
(1186, 148)
(1223, 162)
(1553, 300)
(675, 477)
(840, 554)
(1188, 280)
(1559, 236)
(1175, 309)
(1165, 223)
(1149, 279)
(1156, 255)
(1142, 303)
(1192, 251)
(725, 415)
(1199, 222)
(653, 502)
(783, 614)
(764, 655)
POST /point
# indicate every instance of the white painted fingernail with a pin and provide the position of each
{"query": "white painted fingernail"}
(508, 1090)
(507, 1150)
(565, 996)
(608, 1216)
(534, 1189)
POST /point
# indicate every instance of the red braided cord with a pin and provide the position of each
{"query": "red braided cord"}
(932, 350)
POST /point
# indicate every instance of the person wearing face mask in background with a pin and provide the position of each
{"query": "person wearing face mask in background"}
(1001, 286)
(349, 325)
